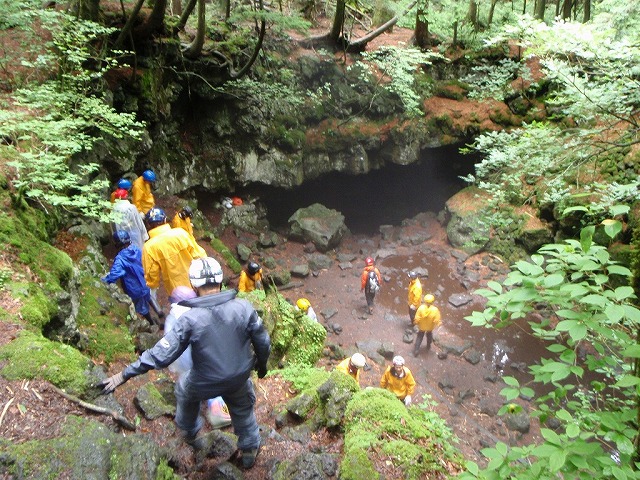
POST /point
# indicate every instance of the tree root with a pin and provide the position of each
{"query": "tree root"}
(120, 419)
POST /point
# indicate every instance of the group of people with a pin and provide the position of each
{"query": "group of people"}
(211, 338)
(423, 314)
(397, 378)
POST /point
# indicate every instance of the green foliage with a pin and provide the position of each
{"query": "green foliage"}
(31, 356)
(5, 276)
(304, 378)
(493, 80)
(416, 441)
(295, 338)
(398, 67)
(65, 116)
(573, 282)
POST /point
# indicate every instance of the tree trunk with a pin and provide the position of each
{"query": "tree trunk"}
(88, 10)
(540, 7)
(566, 9)
(587, 11)
(185, 14)
(524, 7)
(491, 10)
(195, 47)
(176, 7)
(155, 21)
(338, 21)
(126, 30)
(472, 14)
(454, 42)
(421, 31)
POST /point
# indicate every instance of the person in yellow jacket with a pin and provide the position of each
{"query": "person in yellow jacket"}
(182, 219)
(415, 295)
(427, 319)
(250, 278)
(141, 191)
(352, 366)
(399, 380)
(167, 253)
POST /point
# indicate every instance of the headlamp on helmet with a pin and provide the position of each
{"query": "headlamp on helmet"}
(205, 271)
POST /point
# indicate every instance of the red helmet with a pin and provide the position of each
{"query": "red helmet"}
(121, 194)
(368, 261)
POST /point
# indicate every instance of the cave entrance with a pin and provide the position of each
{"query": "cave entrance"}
(381, 197)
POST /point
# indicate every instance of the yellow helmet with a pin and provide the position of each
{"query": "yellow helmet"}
(303, 304)
(428, 298)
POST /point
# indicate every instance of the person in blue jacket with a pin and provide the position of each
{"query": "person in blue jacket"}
(127, 267)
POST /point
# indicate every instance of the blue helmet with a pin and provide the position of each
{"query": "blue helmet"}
(121, 238)
(124, 183)
(155, 215)
(149, 175)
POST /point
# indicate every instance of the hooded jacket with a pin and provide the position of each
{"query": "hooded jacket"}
(128, 266)
(142, 196)
(227, 340)
(184, 223)
(427, 318)
(128, 219)
(169, 252)
(399, 386)
(415, 293)
(247, 282)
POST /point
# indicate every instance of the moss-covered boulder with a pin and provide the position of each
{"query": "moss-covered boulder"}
(468, 227)
(86, 449)
(318, 224)
(413, 443)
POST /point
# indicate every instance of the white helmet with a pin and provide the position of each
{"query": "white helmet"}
(205, 271)
(358, 360)
(398, 360)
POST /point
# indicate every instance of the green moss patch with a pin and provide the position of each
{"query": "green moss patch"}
(226, 254)
(104, 321)
(31, 356)
(413, 443)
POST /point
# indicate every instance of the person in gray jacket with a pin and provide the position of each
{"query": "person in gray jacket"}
(228, 341)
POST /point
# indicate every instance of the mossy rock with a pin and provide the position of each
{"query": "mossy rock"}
(467, 228)
(31, 355)
(379, 427)
(87, 449)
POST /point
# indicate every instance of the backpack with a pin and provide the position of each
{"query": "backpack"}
(372, 282)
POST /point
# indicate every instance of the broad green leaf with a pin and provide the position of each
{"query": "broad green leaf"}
(562, 414)
(495, 286)
(632, 313)
(619, 210)
(628, 381)
(511, 381)
(557, 460)
(614, 313)
(618, 270)
(594, 299)
(612, 227)
(553, 280)
(632, 351)
(578, 332)
(572, 430)
(586, 238)
(624, 292)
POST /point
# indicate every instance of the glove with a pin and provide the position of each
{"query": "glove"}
(259, 285)
(407, 400)
(262, 371)
(154, 294)
(111, 383)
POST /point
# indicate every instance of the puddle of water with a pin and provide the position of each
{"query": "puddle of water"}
(505, 348)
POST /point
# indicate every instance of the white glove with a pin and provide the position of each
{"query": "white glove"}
(407, 400)
(154, 294)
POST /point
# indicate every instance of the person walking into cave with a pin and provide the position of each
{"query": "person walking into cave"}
(167, 254)
(427, 319)
(250, 278)
(415, 295)
(352, 366)
(127, 218)
(228, 340)
(399, 380)
(182, 219)
(123, 183)
(141, 191)
(127, 267)
(370, 281)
